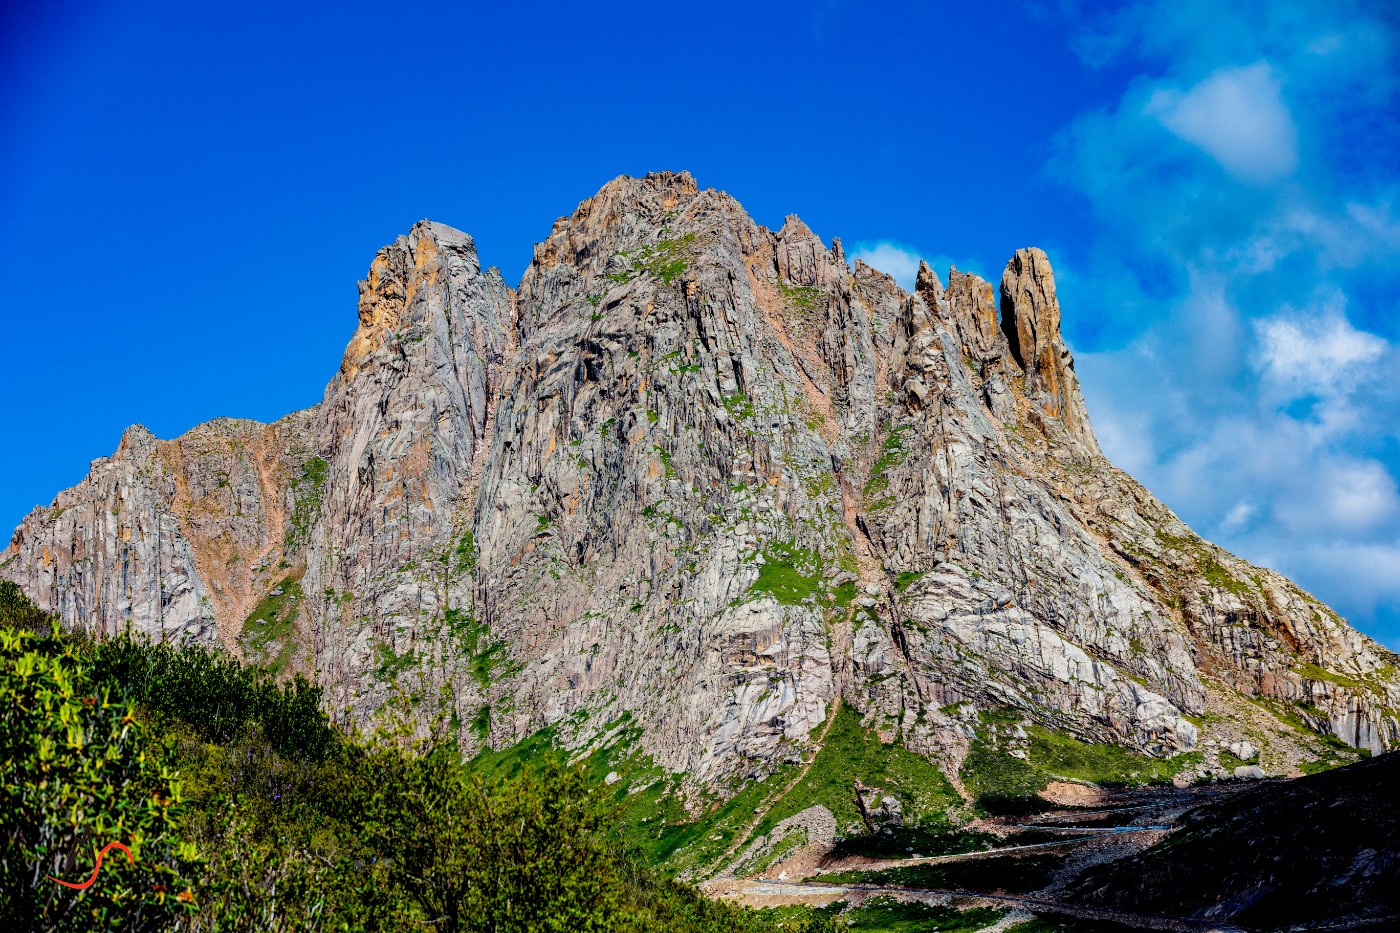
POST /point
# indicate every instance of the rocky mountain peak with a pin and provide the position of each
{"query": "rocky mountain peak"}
(709, 480)
(409, 282)
(137, 440)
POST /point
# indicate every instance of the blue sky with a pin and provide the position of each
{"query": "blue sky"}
(188, 194)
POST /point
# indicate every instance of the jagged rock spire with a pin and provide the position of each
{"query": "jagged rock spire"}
(1030, 318)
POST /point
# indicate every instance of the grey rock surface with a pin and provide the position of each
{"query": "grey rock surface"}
(1244, 751)
(707, 478)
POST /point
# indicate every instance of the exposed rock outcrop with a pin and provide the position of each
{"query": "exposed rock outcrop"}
(706, 477)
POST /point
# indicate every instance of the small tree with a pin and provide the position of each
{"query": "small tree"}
(529, 855)
(16, 610)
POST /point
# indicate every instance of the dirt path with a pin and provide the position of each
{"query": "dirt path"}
(1142, 921)
(865, 863)
(748, 829)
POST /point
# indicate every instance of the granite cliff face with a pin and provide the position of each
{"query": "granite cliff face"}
(707, 478)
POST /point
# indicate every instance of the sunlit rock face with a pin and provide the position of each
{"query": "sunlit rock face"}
(705, 478)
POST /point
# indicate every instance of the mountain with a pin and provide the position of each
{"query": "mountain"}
(706, 483)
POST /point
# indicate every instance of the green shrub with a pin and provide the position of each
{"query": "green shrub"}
(78, 771)
(278, 822)
(16, 611)
(526, 855)
(213, 693)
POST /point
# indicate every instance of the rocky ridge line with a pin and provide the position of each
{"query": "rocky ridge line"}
(705, 478)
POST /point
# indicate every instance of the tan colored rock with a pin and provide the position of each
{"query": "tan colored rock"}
(1031, 321)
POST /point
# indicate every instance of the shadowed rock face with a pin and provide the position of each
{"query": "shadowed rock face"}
(710, 477)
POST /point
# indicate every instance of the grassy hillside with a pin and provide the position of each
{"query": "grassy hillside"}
(1004, 782)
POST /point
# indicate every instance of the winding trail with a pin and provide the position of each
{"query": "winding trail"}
(1142, 921)
(748, 829)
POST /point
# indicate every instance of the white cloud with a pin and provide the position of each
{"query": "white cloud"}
(892, 258)
(1361, 496)
(1322, 355)
(1238, 117)
(1238, 516)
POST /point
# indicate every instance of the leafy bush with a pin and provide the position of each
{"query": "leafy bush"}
(527, 855)
(16, 611)
(277, 822)
(77, 771)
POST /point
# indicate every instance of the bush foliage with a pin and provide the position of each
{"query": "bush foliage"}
(78, 770)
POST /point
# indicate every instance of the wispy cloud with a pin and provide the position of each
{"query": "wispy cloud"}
(1322, 355)
(1236, 116)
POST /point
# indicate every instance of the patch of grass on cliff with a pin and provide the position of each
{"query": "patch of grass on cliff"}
(465, 553)
(1211, 570)
(306, 502)
(906, 579)
(789, 574)
(793, 575)
(482, 659)
(464, 631)
(892, 453)
(665, 456)
(667, 260)
(269, 632)
(739, 406)
(389, 665)
(805, 298)
(1315, 672)
(851, 753)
